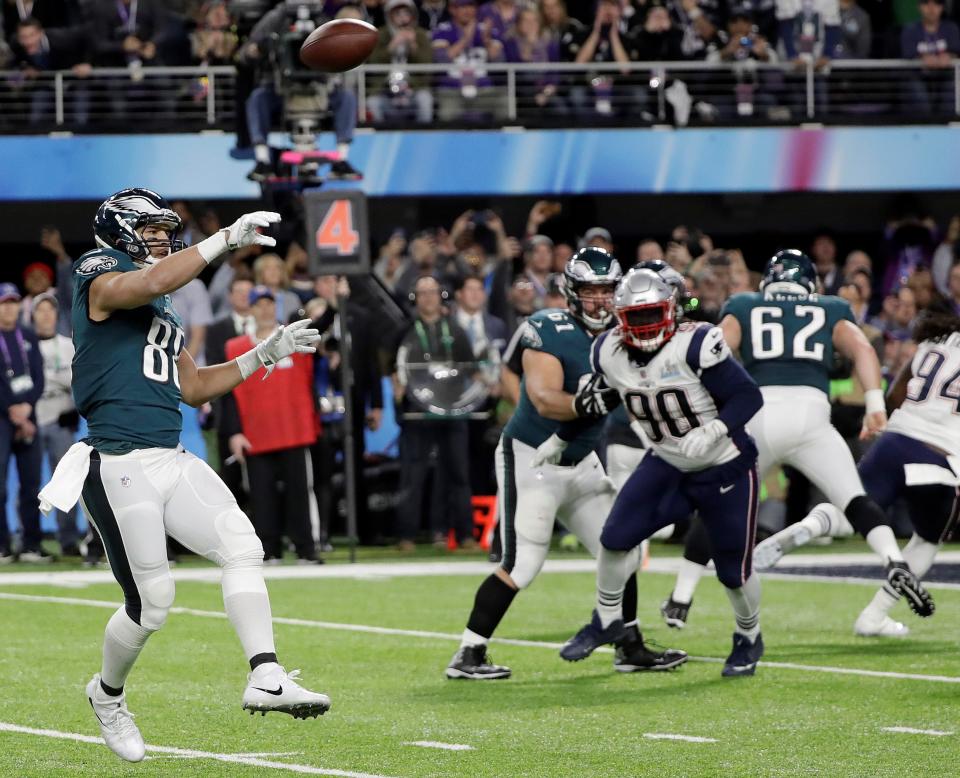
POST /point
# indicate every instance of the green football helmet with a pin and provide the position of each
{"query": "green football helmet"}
(590, 266)
(789, 272)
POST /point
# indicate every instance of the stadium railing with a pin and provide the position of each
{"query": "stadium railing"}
(636, 93)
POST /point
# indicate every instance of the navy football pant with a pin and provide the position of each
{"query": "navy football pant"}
(658, 494)
(934, 508)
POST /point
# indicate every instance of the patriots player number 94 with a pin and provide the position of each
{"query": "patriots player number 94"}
(920, 385)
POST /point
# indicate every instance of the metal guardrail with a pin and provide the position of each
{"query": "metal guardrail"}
(193, 98)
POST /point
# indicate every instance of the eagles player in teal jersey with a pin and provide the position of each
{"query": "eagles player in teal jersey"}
(136, 483)
(786, 335)
(532, 493)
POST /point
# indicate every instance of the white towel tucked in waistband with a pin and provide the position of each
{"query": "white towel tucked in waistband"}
(918, 474)
(64, 488)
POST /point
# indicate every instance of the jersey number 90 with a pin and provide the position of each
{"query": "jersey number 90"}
(159, 359)
(669, 407)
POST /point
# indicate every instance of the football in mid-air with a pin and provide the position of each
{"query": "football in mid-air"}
(338, 45)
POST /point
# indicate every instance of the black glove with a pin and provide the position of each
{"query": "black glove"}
(595, 399)
(69, 419)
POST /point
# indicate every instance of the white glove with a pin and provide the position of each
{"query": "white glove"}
(549, 452)
(243, 232)
(700, 440)
(284, 340)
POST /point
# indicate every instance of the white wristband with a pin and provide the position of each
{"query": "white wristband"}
(873, 400)
(212, 247)
(249, 363)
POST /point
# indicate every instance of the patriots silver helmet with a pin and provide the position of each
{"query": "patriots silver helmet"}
(590, 267)
(646, 309)
(122, 216)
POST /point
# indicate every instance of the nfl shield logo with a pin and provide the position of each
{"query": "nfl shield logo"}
(125, 482)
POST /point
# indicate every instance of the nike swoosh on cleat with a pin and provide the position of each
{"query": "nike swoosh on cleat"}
(275, 692)
(725, 489)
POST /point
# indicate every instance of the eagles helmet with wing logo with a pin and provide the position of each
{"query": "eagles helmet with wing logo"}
(646, 308)
(121, 216)
(590, 266)
(789, 272)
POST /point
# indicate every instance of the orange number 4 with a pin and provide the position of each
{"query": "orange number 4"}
(336, 231)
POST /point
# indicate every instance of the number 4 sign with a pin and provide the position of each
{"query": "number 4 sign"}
(337, 232)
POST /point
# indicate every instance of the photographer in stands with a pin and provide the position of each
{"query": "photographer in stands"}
(404, 95)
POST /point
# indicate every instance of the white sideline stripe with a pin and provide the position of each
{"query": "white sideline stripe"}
(387, 570)
(191, 753)
(686, 738)
(416, 633)
(443, 746)
(912, 731)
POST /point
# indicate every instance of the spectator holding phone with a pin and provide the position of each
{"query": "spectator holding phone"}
(743, 46)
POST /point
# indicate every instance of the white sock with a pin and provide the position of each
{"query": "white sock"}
(247, 605)
(818, 522)
(687, 580)
(919, 554)
(613, 570)
(746, 607)
(261, 153)
(883, 600)
(471, 638)
(882, 540)
(123, 640)
(343, 149)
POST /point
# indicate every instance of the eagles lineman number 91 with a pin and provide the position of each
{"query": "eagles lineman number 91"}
(337, 232)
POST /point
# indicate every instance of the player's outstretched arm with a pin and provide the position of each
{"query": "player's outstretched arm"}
(850, 341)
(897, 392)
(544, 383)
(732, 333)
(118, 291)
(199, 385)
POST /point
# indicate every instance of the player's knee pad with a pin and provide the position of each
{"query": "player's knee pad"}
(156, 597)
(729, 572)
(529, 559)
(864, 514)
(239, 544)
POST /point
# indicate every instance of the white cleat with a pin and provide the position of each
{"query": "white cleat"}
(271, 688)
(770, 551)
(878, 625)
(116, 722)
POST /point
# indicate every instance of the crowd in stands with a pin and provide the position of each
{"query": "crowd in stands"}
(260, 38)
(464, 289)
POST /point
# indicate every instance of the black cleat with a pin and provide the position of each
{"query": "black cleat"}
(261, 172)
(675, 613)
(901, 579)
(590, 637)
(473, 663)
(744, 657)
(344, 171)
(633, 655)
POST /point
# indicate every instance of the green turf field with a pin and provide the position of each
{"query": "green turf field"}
(550, 719)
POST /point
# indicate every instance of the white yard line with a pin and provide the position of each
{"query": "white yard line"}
(441, 746)
(191, 753)
(388, 570)
(912, 731)
(416, 633)
(685, 738)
